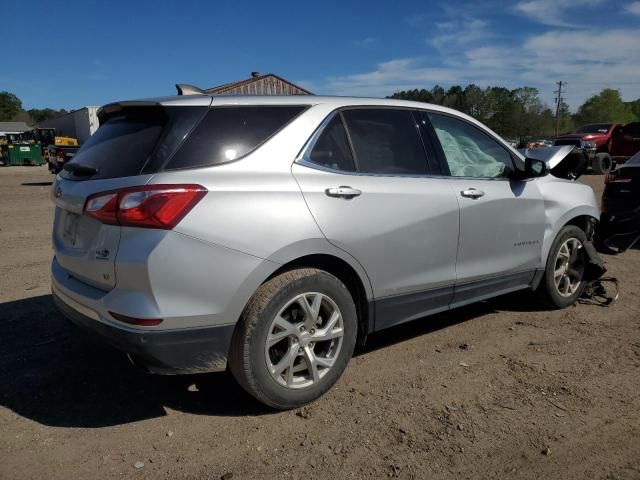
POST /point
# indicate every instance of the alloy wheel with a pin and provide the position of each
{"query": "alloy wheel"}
(569, 267)
(304, 340)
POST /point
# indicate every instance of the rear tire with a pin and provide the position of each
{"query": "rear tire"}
(602, 164)
(285, 354)
(563, 280)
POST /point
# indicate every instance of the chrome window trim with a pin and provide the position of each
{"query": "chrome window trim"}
(304, 159)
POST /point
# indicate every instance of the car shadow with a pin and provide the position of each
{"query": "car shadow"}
(36, 184)
(56, 375)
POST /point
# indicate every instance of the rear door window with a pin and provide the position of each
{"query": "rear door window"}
(386, 141)
(229, 133)
(332, 149)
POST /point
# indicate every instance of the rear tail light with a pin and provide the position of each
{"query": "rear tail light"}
(60, 156)
(149, 206)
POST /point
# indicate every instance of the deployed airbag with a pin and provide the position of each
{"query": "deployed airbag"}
(466, 159)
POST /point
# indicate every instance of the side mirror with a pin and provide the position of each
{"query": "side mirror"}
(534, 168)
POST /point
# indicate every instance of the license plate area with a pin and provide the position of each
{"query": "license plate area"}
(70, 228)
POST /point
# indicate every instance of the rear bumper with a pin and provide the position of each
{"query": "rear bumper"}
(193, 350)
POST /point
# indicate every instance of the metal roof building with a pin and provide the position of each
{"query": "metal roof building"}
(13, 127)
(258, 84)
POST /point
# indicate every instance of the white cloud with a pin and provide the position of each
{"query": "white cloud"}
(460, 32)
(587, 60)
(551, 12)
(633, 8)
(388, 77)
(606, 46)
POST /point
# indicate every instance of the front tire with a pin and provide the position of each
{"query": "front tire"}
(602, 164)
(563, 281)
(294, 338)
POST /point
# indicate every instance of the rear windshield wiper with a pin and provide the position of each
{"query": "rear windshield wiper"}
(80, 170)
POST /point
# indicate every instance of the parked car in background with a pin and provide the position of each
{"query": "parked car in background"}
(269, 234)
(58, 155)
(620, 220)
(539, 143)
(596, 140)
(605, 143)
(56, 149)
(626, 142)
(599, 134)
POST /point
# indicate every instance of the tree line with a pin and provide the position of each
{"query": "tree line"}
(511, 113)
(521, 113)
(11, 111)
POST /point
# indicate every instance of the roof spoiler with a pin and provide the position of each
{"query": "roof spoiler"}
(186, 89)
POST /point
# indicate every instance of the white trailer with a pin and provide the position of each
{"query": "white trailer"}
(80, 124)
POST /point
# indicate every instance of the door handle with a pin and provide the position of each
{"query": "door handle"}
(472, 193)
(342, 191)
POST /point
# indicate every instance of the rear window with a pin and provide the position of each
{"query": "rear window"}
(135, 140)
(229, 133)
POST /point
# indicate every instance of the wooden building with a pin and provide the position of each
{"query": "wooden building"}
(258, 84)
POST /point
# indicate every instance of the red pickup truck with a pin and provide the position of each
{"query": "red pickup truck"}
(605, 143)
(625, 142)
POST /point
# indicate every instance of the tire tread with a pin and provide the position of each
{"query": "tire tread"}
(240, 354)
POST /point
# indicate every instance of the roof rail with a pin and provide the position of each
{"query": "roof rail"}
(186, 89)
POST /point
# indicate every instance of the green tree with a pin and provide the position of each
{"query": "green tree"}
(476, 103)
(454, 98)
(505, 110)
(10, 106)
(414, 95)
(438, 95)
(39, 115)
(607, 106)
(635, 108)
(567, 123)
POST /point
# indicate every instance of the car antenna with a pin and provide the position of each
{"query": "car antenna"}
(186, 89)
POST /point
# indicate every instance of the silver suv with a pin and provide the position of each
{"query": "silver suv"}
(270, 234)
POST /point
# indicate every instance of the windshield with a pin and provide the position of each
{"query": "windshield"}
(595, 128)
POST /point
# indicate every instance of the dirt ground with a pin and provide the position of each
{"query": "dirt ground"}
(501, 389)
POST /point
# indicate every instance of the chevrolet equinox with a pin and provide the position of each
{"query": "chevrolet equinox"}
(268, 235)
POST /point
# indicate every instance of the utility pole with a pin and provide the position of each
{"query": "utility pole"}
(559, 101)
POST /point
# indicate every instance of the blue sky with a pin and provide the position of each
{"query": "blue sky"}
(76, 53)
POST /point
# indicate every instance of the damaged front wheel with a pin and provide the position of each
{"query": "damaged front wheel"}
(564, 277)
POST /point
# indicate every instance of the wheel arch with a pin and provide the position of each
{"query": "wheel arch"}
(584, 218)
(587, 223)
(347, 274)
(313, 253)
